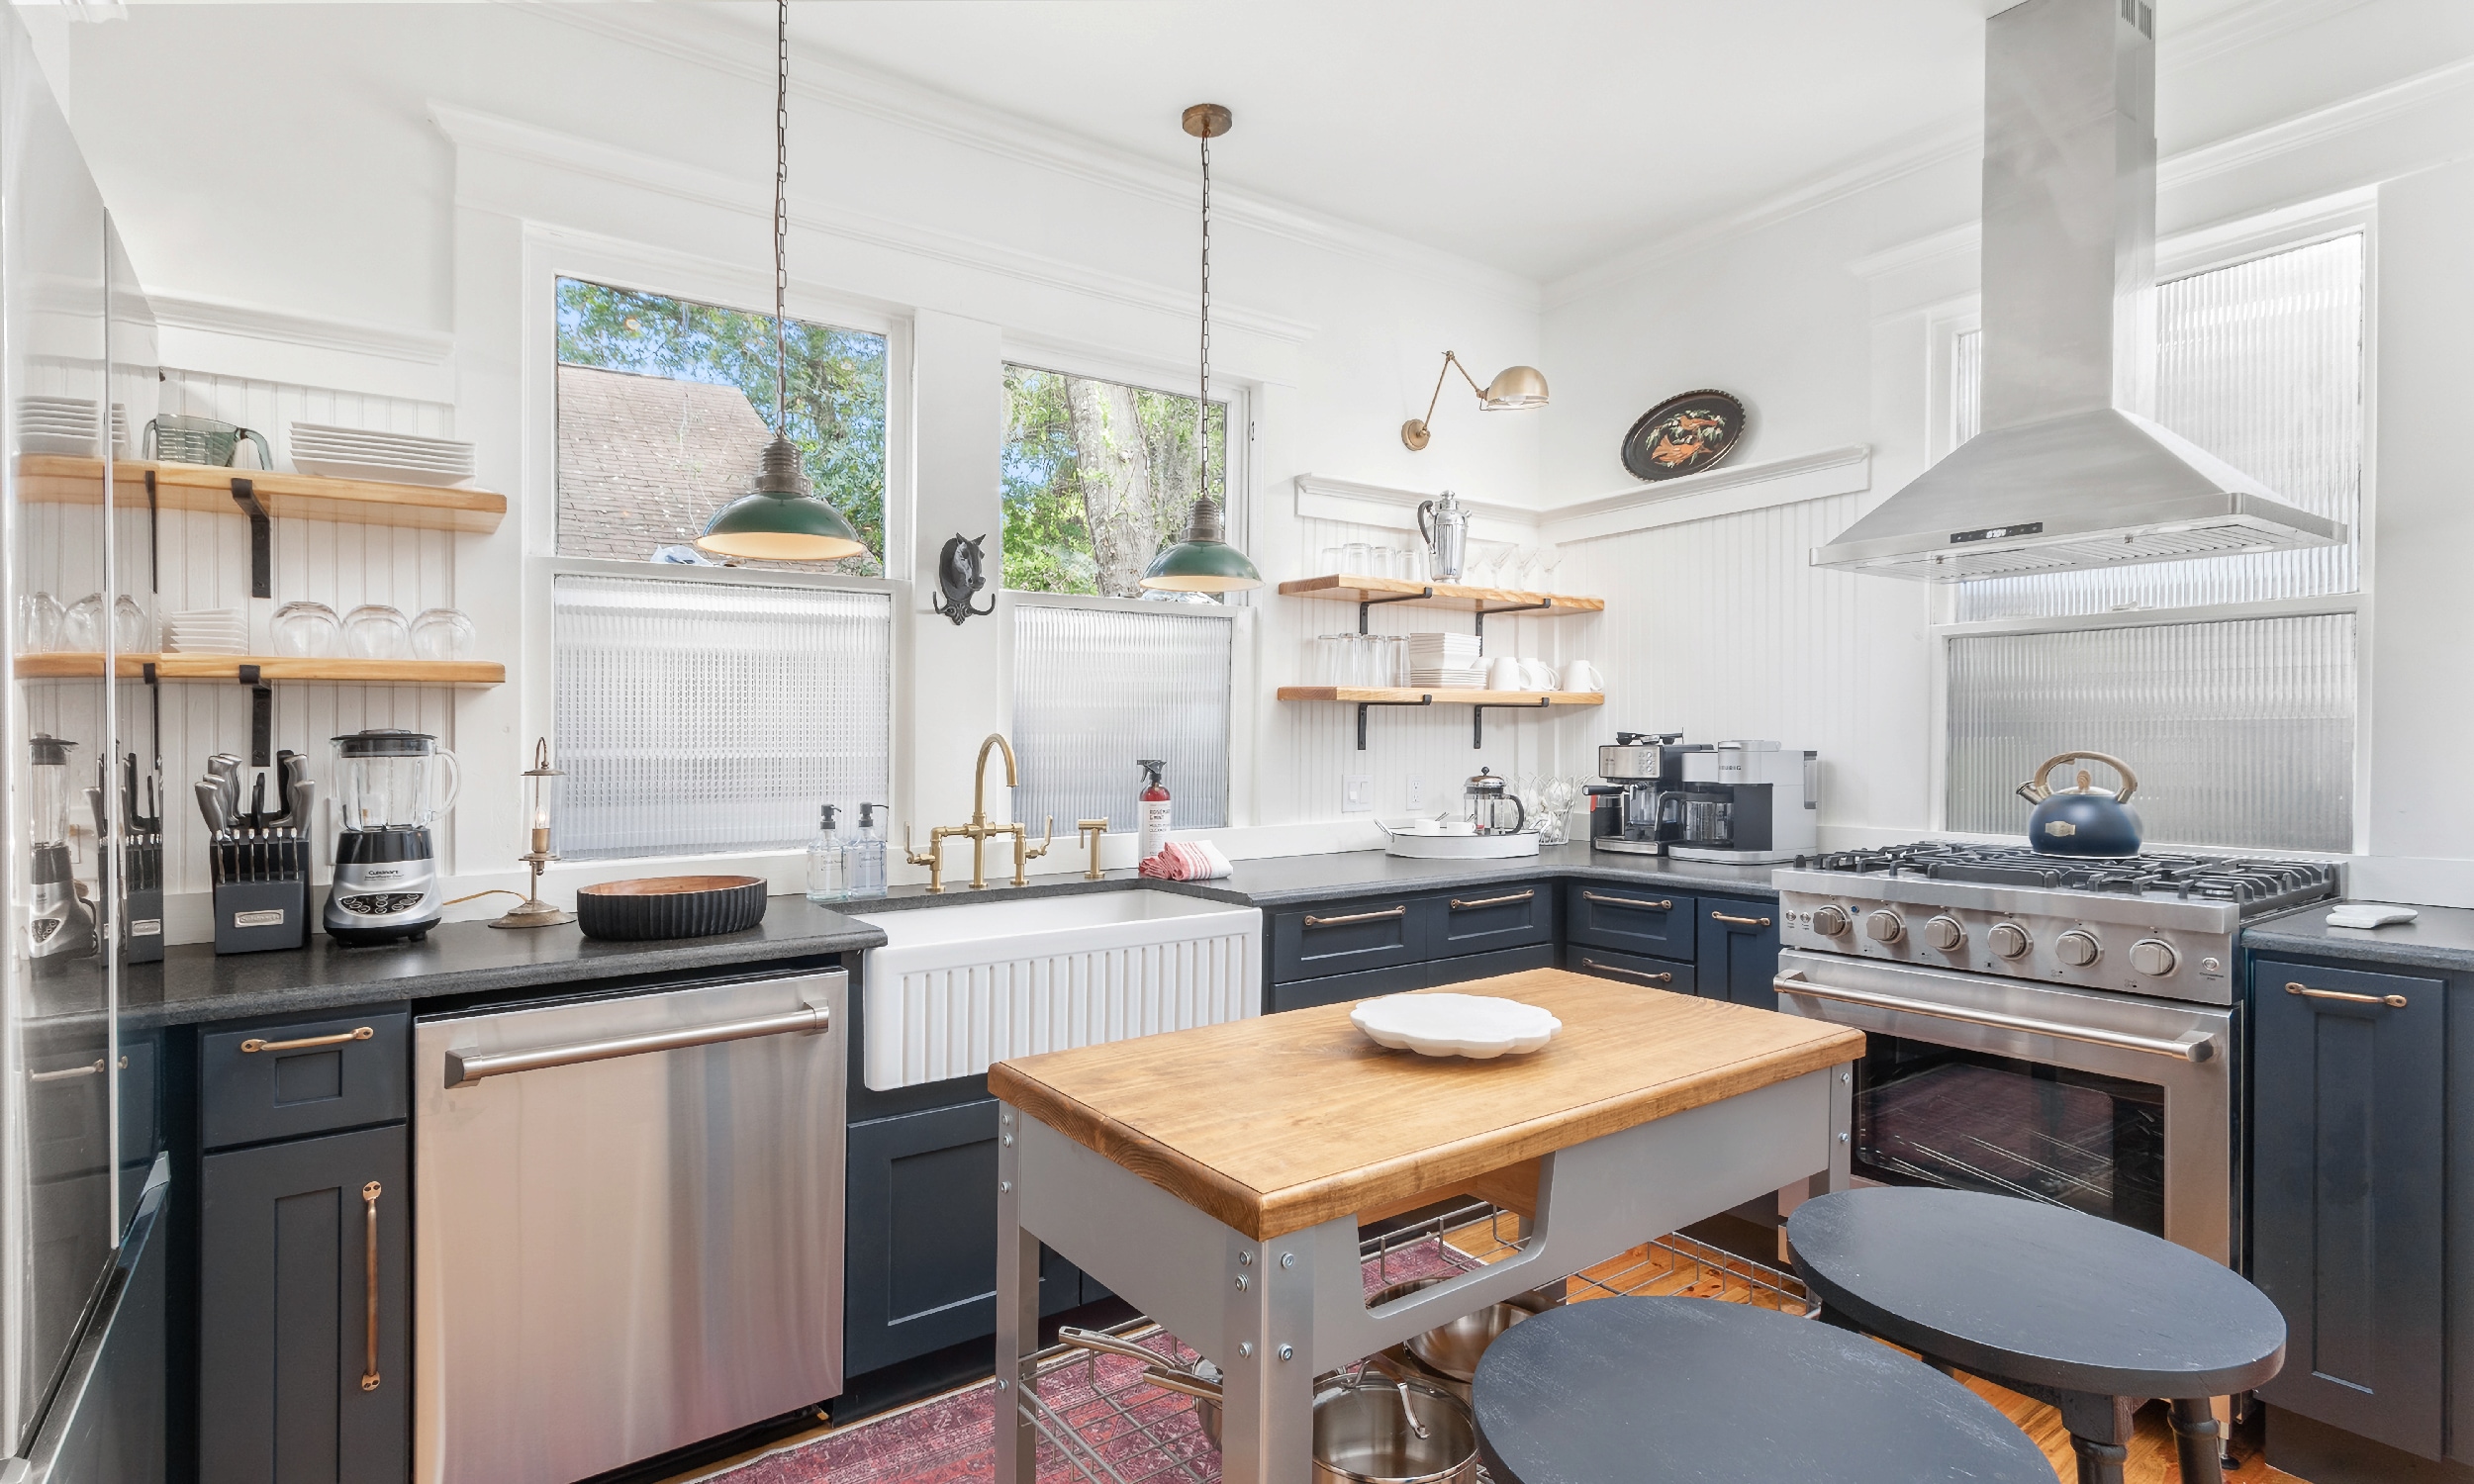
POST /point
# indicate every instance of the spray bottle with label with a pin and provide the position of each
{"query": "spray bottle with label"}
(1155, 808)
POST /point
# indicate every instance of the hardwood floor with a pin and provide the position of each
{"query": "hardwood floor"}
(1653, 1271)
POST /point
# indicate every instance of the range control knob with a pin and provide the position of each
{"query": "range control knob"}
(1829, 922)
(1884, 926)
(2077, 948)
(2153, 958)
(2009, 940)
(1945, 934)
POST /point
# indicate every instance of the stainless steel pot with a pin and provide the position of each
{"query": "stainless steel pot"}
(1392, 1431)
(1451, 1352)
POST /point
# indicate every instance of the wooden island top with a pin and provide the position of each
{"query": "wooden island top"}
(1280, 1122)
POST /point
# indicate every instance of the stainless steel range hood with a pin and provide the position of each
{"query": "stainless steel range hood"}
(2069, 472)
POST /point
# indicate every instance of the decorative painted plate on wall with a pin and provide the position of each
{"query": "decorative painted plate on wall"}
(1684, 435)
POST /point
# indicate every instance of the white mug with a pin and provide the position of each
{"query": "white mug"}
(1506, 675)
(1580, 675)
(1540, 677)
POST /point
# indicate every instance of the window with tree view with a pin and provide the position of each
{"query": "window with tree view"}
(664, 406)
(1098, 476)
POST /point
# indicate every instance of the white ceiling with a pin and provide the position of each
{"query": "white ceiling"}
(1536, 138)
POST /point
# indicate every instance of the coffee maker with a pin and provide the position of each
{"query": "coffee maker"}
(59, 924)
(390, 786)
(1748, 803)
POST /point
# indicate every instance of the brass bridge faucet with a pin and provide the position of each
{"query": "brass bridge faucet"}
(979, 830)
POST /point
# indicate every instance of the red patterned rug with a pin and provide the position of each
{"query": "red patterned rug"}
(1101, 1409)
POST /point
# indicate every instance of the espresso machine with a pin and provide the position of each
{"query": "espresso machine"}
(1748, 803)
(390, 786)
(58, 923)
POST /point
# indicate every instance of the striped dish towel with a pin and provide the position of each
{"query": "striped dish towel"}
(1187, 861)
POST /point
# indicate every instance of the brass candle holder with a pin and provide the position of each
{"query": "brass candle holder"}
(540, 796)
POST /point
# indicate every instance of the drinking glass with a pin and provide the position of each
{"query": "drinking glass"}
(41, 617)
(307, 630)
(81, 628)
(1542, 563)
(1557, 796)
(377, 631)
(1355, 557)
(441, 634)
(131, 631)
(1335, 559)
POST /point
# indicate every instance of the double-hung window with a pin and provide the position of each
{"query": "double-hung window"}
(2230, 684)
(1098, 476)
(701, 708)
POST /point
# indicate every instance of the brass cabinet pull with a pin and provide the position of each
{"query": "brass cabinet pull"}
(357, 1032)
(1655, 978)
(1459, 905)
(1398, 911)
(369, 1247)
(1629, 901)
(2393, 1001)
(91, 1069)
(1738, 921)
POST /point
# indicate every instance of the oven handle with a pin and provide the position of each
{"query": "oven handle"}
(2198, 1046)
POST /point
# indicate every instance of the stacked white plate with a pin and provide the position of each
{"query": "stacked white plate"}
(1443, 651)
(206, 632)
(1446, 679)
(361, 453)
(65, 425)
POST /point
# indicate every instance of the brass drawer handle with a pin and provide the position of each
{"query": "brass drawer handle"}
(1756, 922)
(369, 1247)
(1398, 911)
(1629, 901)
(91, 1069)
(2393, 1001)
(1655, 978)
(357, 1032)
(1459, 905)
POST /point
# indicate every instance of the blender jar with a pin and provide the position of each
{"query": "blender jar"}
(389, 779)
(47, 819)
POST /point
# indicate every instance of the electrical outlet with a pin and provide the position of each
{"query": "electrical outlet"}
(1417, 792)
(1357, 793)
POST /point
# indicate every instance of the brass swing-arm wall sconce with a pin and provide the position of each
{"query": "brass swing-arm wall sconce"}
(1515, 388)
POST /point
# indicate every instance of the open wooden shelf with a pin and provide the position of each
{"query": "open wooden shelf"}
(227, 669)
(1414, 695)
(67, 479)
(1456, 596)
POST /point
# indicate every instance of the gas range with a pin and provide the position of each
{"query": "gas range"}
(2157, 925)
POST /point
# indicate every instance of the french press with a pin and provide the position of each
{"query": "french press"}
(1490, 807)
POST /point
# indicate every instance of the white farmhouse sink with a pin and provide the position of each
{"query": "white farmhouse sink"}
(963, 986)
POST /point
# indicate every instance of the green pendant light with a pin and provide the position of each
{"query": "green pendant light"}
(1203, 561)
(780, 519)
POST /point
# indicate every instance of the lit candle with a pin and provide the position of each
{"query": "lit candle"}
(541, 832)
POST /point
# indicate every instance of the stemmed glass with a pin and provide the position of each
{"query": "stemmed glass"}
(1556, 797)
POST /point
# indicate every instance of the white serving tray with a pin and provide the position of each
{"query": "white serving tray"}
(1461, 846)
(1480, 1027)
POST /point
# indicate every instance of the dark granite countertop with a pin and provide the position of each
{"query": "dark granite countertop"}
(467, 959)
(2438, 938)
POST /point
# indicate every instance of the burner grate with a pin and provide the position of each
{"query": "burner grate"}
(2258, 884)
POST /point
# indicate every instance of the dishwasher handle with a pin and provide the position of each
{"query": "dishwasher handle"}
(467, 1068)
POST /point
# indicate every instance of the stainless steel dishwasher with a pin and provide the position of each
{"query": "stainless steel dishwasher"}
(628, 1225)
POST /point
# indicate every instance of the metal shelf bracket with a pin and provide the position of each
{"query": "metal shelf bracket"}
(1366, 602)
(1517, 607)
(262, 538)
(1478, 718)
(1423, 701)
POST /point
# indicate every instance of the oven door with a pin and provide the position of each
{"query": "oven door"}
(2107, 1103)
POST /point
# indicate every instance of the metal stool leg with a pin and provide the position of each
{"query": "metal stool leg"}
(2197, 1440)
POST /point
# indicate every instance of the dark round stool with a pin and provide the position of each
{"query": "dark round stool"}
(1620, 1389)
(2088, 1315)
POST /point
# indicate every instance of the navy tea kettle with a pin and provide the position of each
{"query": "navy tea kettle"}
(2081, 822)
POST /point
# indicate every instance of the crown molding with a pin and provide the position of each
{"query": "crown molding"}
(253, 321)
(830, 78)
(2222, 34)
(511, 138)
(1726, 491)
(2320, 125)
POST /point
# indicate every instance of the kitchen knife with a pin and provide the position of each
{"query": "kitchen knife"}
(257, 804)
(102, 818)
(211, 804)
(225, 768)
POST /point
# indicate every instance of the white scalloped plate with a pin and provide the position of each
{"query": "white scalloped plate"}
(1478, 1026)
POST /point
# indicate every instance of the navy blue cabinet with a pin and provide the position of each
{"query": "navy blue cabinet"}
(1341, 987)
(1629, 919)
(1631, 969)
(303, 1245)
(919, 1254)
(2348, 1179)
(1739, 951)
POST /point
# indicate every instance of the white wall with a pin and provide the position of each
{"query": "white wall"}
(388, 222)
(1826, 319)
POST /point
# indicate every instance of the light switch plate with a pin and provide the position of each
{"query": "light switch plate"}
(1417, 792)
(1357, 793)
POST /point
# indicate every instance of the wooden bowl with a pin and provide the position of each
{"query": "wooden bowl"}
(671, 906)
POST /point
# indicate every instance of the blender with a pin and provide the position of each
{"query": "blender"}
(58, 925)
(390, 786)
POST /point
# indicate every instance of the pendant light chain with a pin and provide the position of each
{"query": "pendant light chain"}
(781, 217)
(1202, 403)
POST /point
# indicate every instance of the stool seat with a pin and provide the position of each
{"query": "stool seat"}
(1624, 1389)
(2088, 1314)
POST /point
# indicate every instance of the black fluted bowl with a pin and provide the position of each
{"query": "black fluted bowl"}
(671, 906)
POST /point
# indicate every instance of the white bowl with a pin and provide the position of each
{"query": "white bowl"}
(1478, 1026)
(1460, 826)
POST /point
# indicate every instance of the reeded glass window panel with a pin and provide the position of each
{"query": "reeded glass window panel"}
(698, 717)
(2261, 364)
(1094, 688)
(2242, 732)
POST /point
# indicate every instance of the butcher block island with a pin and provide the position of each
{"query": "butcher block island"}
(1215, 1178)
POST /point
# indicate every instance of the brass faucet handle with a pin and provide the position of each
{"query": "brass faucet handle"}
(1091, 831)
(911, 852)
(1045, 840)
